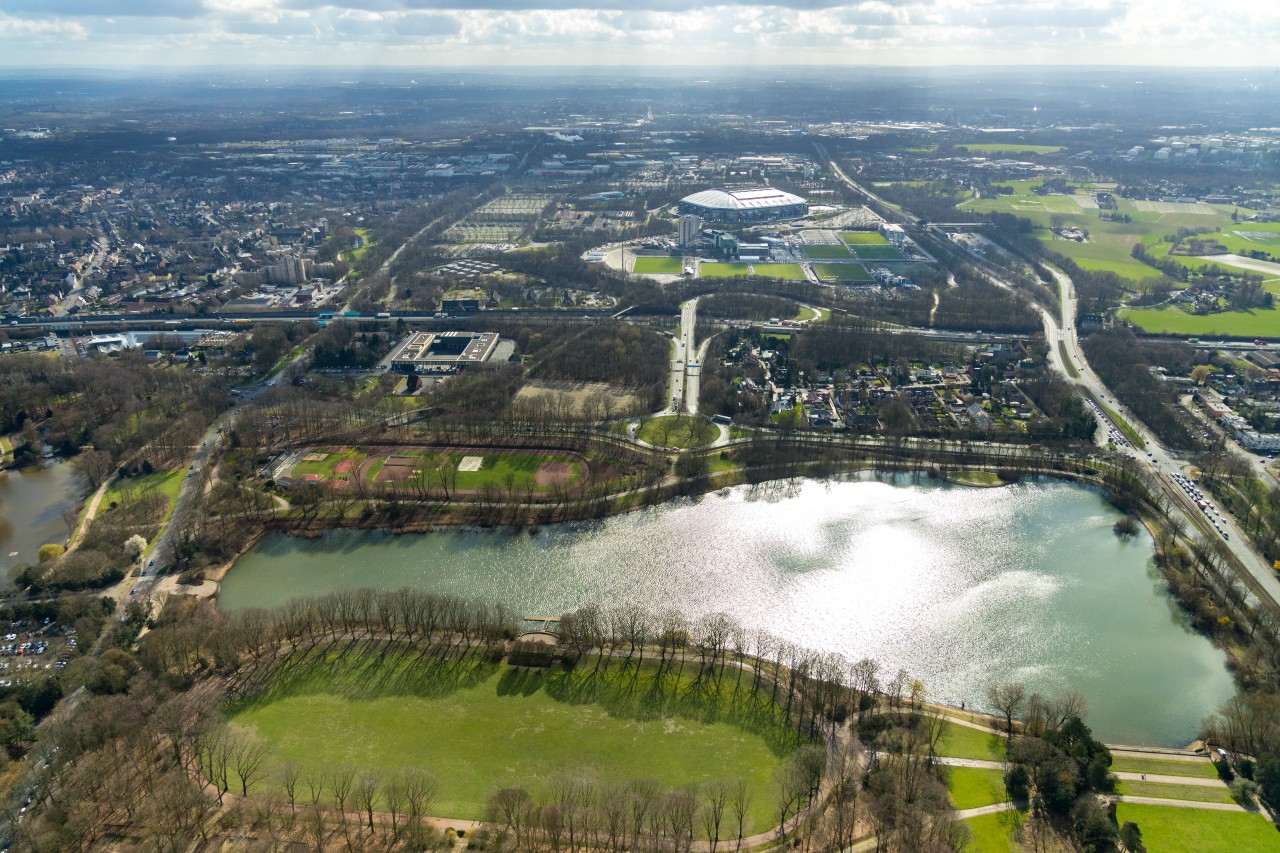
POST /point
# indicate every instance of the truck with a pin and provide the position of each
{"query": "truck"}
(384, 315)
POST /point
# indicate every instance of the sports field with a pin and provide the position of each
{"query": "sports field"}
(723, 270)
(877, 253)
(785, 272)
(667, 266)
(478, 726)
(1169, 829)
(863, 238)
(1170, 320)
(841, 272)
(822, 252)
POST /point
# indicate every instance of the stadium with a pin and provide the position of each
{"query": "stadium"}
(746, 206)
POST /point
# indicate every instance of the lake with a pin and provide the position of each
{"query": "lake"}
(959, 586)
(31, 505)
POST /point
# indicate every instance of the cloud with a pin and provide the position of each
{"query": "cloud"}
(66, 9)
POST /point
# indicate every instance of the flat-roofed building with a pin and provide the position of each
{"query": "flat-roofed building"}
(427, 352)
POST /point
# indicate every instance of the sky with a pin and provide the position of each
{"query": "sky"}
(427, 33)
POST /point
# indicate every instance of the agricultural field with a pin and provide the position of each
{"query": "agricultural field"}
(478, 726)
(666, 266)
(822, 252)
(1110, 242)
(1169, 829)
(863, 238)
(841, 272)
(1171, 320)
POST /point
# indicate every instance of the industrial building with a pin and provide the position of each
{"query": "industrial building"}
(764, 204)
(428, 352)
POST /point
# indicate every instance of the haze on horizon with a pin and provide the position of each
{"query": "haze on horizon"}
(490, 33)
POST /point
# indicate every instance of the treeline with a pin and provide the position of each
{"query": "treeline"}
(979, 304)
(341, 346)
(845, 341)
(747, 306)
(1069, 418)
(616, 353)
(1124, 363)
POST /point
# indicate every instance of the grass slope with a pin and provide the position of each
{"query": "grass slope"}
(1167, 829)
(972, 787)
(1168, 791)
(479, 726)
(1163, 767)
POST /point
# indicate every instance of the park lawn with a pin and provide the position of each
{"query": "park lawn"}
(972, 787)
(1169, 829)
(877, 253)
(842, 272)
(825, 251)
(723, 270)
(965, 742)
(863, 238)
(125, 489)
(686, 431)
(478, 726)
(993, 833)
(1171, 320)
(1170, 791)
(784, 272)
(667, 266)
(1009, 148)
(1164, 767)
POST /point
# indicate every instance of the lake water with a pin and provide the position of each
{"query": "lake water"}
(958, 586)
(31, 505)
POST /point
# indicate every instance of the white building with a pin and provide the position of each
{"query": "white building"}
(690, 225)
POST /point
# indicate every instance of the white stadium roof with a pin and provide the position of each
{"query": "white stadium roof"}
(742, 199)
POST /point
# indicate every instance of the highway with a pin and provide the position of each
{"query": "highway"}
(684, 379)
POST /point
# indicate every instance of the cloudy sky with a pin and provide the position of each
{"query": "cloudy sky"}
(227, 33)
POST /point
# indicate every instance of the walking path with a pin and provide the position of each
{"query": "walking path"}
(90, 511)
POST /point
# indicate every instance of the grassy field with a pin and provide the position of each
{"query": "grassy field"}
(841, 272)
(667, 266)
(1009, 148)
(825, 252)
(965, 742)
(723, 270)
(324, 468)
(498, 468)
(972, 787)
(685, 431)
(1171, 320)
(1164, 767)
(877, 253)
(992, 833)
(478, 726)
(1167, 829)
(165, 483)
(863, 238)
(1168, 791)
(974, 478)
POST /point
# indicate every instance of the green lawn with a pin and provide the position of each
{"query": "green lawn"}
(993, 833)
(1167, 829)
(823, 252)
(332, 458)
(842, 272)
(685, 431)
(498, 467)
(974, 478)
(863, 238)
(723, 270)
(1169, 791)
(786, 272)
(972, 787)
(1171, 320)
(877, 253)
(165, 483)
(1009, 148)
(478, 727)
(668, 266)
(1164, 767)
(965, 742)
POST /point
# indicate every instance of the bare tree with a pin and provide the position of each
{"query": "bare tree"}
(247, 756)
(739, 804)
(1007, 699)
(367, 793)
(340, 781)
(714, 798)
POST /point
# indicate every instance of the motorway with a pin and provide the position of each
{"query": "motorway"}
(1161, 462)
(684, 376)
